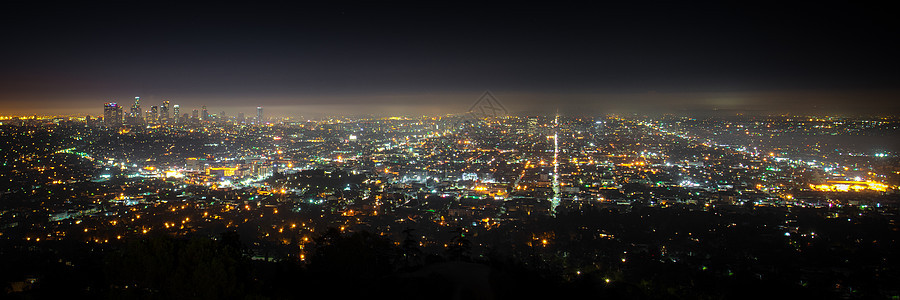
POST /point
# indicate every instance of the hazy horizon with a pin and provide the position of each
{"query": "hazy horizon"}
(796, 102)
(832, 58)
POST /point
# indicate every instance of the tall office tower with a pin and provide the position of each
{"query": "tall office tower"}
(121, 114)
(259, 115)
(148, 119)
(195, 114)
(204, 116)
(154, 114)
(112, 114)
(554, 202)
(240, 118)
(175, 110)
(532, 128)
(136, 116)
(164, 112)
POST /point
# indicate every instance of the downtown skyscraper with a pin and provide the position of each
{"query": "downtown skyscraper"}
(153, 116)
(112, 114)
(164, 112)
(259, 115)
(136, 116)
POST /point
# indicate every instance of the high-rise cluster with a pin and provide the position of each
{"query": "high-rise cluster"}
(114, 115)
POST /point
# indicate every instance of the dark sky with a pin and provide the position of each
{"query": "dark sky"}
(439, 58)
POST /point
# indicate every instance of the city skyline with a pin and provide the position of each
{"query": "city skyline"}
(437, 150)
(535, 104)
(116, 115)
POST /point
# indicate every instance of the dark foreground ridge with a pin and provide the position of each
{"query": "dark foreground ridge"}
(746, 259)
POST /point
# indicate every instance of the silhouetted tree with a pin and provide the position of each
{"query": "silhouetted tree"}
(459, 247)
(360, 254)
(410, 247)
(167, 268)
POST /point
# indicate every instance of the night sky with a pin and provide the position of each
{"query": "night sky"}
(433, 58)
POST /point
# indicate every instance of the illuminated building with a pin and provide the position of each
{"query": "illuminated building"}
(164, 112)
(847, 186)
(90, 121)
(554, 202)
(153, 116)
(176, 110)
(532, 127)
(259, 115)
(194, 164)
(112, 114)
(136, 115)
(221, 171)
(264, 171)
(204, 116)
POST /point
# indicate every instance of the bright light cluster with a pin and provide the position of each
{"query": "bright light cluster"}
(847, 186)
